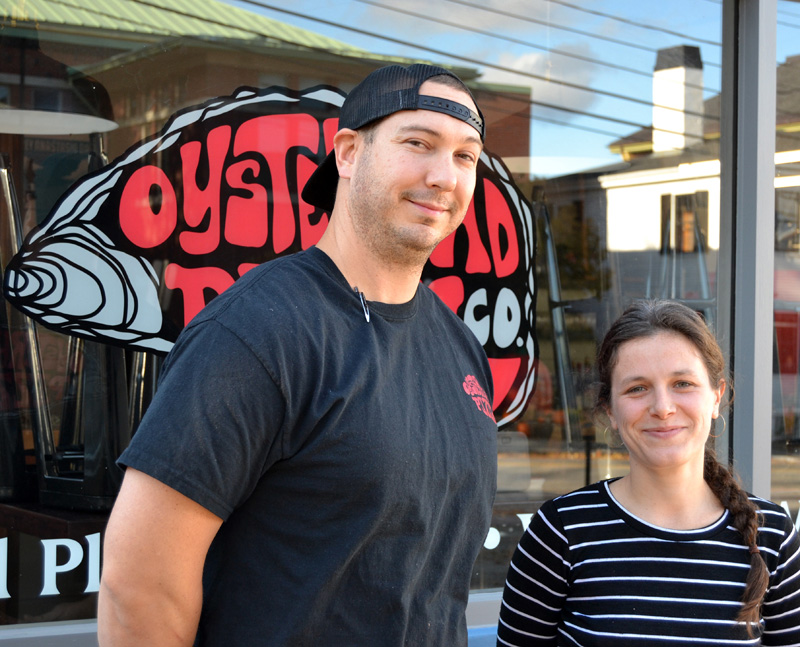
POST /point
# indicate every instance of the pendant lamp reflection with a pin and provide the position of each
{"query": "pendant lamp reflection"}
(47, 97)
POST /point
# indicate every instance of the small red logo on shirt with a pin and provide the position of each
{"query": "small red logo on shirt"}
(478, 395)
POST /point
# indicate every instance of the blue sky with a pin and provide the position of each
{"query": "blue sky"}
(555, 47)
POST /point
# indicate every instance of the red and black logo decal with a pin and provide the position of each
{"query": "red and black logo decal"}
(134, 250)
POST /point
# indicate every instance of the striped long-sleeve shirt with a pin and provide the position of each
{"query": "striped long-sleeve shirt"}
(588, 573)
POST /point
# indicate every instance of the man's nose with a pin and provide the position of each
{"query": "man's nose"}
(442, 173)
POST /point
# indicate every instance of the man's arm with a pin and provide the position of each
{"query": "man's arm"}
(154, 549)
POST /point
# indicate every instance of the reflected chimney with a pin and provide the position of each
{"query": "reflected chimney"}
(677, 99)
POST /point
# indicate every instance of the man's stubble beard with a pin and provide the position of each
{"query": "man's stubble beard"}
(372, 213)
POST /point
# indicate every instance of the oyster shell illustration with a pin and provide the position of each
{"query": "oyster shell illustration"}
(78, 274)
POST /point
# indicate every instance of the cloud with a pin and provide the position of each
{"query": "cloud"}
(495, 36)
(505, 16)
(549, 69)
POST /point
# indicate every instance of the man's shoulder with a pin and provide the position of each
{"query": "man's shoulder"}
(275, 286)
(431, 304)
(272, 302)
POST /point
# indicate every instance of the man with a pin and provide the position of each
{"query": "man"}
(319, 463)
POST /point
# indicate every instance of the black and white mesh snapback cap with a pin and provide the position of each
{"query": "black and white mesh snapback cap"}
(383, 92)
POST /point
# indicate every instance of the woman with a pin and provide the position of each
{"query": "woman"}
(674, 553)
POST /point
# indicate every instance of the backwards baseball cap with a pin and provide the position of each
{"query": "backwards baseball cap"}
(383, 92)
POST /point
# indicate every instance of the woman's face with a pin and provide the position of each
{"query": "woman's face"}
(662, 402)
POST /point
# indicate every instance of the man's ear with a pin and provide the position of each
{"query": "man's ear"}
(346, 144)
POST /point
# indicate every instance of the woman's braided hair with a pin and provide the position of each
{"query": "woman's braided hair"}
(648, 318)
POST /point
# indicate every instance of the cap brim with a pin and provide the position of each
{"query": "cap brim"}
(320, 190)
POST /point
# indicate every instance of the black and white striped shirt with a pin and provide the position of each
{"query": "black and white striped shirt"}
(588, 573)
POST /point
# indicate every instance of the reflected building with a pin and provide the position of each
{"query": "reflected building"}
(657, 214)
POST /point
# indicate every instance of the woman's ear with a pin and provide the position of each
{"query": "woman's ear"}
(720, 391)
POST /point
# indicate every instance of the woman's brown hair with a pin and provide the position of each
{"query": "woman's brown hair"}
(648, 318)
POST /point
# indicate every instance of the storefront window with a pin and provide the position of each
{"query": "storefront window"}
(786, 349)
(639, 219)
(135, 139)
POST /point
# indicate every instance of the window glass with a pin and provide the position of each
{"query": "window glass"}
(625, 182)
(786, 349)
(599, 184)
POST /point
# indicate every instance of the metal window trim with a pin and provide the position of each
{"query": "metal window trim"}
(483, 608)
(73, 633)
(746, 261)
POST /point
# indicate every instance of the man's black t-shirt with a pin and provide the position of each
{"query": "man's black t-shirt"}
(353, 461)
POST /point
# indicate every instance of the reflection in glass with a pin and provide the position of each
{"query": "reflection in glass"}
(606, 120)
(786, 340)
